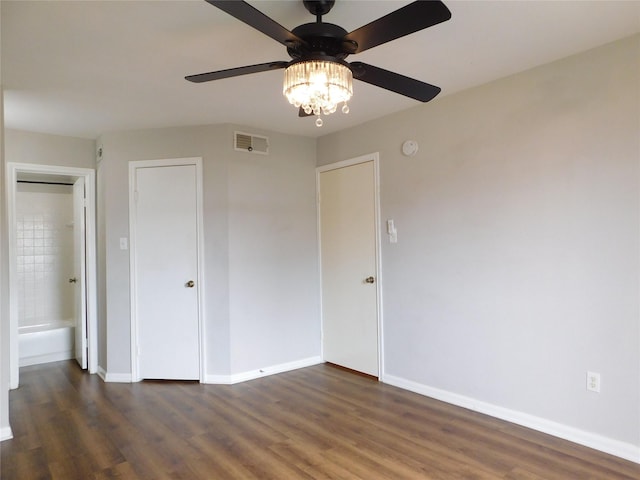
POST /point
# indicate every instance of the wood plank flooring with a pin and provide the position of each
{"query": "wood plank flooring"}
(315, 423)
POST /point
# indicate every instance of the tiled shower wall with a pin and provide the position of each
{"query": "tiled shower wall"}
(44, 229)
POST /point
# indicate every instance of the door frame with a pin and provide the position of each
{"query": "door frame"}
(169, 162)
(89, 175)
(80, 348)
(375, 158)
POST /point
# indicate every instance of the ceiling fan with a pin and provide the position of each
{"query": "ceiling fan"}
(317, 78)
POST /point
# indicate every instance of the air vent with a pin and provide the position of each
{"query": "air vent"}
(247, 142)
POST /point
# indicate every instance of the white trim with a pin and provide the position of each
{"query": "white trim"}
(47, 358)
(5, 434)
(349, 162)
(89, 176)
(114, 377)
(620, 449)
(218, 379)
(263, 372)
(379, 279)
(133, 294)
(375, 158)
(133, 165)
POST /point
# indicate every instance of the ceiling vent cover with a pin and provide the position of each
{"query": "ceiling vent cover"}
(247, 142)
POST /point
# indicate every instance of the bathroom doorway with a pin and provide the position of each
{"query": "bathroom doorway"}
(52, 266)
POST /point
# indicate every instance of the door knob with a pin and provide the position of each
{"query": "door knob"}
(190, 284)
(73, 280)
(369, 280)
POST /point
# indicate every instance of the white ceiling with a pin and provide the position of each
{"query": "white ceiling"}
(90, 67)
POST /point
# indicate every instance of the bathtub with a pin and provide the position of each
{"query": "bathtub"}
(45, 343)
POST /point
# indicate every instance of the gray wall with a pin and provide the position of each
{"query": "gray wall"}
(261, 287)
(45, 149)
(516, 268)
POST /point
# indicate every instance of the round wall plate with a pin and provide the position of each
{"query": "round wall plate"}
(409, 148)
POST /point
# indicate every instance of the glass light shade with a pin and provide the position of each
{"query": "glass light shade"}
(318, 86)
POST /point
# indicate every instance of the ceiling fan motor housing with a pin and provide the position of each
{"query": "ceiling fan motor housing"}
(318, 7)
(321, 39)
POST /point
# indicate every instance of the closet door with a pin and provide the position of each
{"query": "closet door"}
(166, 272)
(348, 253)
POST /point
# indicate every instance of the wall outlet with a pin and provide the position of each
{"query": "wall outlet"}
(593, 382)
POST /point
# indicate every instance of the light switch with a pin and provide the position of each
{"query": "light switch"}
(391, 231)
(124, 244)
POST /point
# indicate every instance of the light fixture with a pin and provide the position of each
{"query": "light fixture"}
(318, 86)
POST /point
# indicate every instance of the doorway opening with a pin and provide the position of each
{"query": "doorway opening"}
(52, 266)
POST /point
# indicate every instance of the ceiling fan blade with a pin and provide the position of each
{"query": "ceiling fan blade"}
(408, 19)
(258, 20)
(395, 82)
(235, 72)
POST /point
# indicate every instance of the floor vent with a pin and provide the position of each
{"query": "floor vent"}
(247, 142)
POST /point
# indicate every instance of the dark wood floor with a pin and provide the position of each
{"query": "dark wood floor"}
(318, 422)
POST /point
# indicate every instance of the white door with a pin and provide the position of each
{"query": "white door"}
(166, 270)
(348, 252)
(79, 272)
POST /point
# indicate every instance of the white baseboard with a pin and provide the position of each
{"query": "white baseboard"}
(262, 372)
(218, 379)
(45, 358)
(5, 434)
(113, 377)
(225, 379)
(624, 450)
